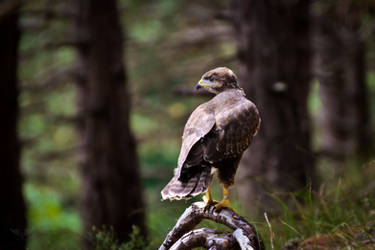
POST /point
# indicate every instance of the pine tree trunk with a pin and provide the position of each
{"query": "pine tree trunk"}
(111, 186)
(340, 67)
(274, 53)
(12, 209)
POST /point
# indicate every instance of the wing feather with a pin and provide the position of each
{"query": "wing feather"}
(200, 122)
(236, 126)
(221, 133)
(216, 133)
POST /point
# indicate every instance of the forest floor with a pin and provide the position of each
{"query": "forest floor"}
(340, 214)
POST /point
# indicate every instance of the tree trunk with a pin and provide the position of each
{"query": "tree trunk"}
(340, 66)
(111, 186)
(12, 209)
(274, 53)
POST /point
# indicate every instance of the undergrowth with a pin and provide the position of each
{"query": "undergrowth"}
(338, 215)
(105, 239)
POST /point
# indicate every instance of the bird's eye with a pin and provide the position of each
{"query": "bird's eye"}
(212, 78)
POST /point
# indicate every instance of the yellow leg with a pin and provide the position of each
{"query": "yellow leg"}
(207, 198)
(224, 203)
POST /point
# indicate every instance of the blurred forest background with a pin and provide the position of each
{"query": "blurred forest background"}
(95, 94)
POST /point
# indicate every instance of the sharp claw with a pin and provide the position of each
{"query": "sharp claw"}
(208, 202)
(223, 204)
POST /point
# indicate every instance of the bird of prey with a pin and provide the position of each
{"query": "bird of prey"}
(215, 136)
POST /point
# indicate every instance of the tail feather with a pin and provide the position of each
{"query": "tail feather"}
(203, 182)
(177, 190)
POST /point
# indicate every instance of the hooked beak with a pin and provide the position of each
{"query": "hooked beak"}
(202, 84)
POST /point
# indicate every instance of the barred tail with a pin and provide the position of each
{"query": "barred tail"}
(197, 184)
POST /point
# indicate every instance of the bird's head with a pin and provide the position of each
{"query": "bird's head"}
(218, 80)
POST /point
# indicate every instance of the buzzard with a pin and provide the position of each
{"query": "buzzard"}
(215, 136)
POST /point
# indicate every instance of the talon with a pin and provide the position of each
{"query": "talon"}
(208, 201)
(224, 203)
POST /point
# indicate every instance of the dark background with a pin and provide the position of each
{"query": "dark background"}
(94, 96)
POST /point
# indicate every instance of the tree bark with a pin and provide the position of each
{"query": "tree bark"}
(207, 238)
(182, 236)
(12, 209)
(273, 39)
(340, 67)
(111, 187)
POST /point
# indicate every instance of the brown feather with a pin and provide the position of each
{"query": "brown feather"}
(215, 135)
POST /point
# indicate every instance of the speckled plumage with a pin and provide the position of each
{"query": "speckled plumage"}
(215, 135)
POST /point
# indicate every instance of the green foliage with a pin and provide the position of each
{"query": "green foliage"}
(51, 222)
(105, 239)
(344, 206)
(163, 156)
(159, 57)
(136, 241)
(46, 210)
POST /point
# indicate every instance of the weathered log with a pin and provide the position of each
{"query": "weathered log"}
(182, 235)
(206, 237)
